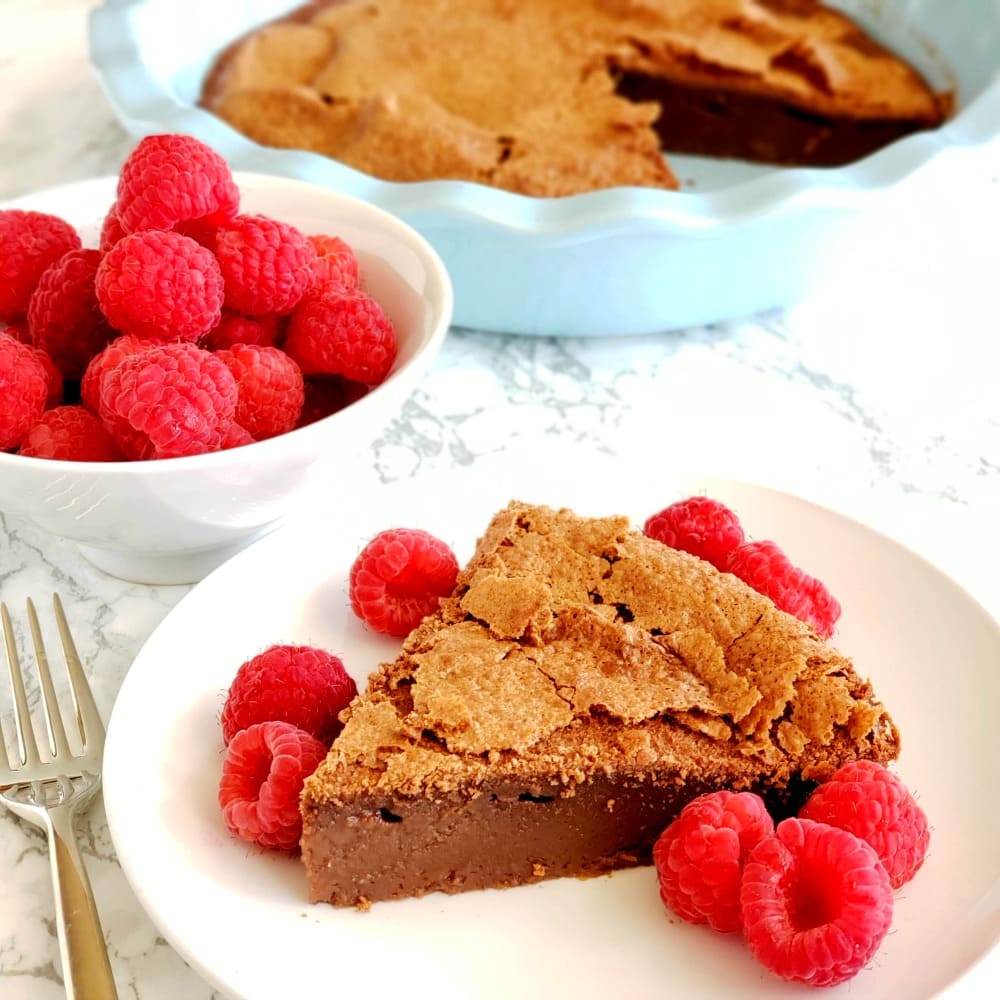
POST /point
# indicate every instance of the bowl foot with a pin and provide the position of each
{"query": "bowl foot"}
(166, 568)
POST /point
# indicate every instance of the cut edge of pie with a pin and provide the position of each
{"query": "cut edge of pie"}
(581, 684)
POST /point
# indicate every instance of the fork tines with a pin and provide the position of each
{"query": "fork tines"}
(88, 726)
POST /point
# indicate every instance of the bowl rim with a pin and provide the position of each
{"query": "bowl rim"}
(144, 104)
(260, 451)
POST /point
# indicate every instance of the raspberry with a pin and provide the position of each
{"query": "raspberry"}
(338, 332)
(29, 243)
(160, 286)
(235, 329)
(763, 566)
(18, 329)
(263, 773)
(234, 436)
(699, 525)
(302, 685)
(872, 803)
(63, 315)
(111, 229)
(168, 400)
(398, 578)
(326, 394)
(112, 356)
(266, 265)
(269, 387)
(816, 902)
(53, 378)
(335, 262)
(699, 857)
(24, 386)
(71, 433)
(171, 179)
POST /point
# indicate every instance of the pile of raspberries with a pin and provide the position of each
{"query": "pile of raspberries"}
(192, 328)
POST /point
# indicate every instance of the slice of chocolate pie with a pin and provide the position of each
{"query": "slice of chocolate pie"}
(582, 683)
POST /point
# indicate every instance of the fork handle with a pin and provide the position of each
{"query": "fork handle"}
(86, 966)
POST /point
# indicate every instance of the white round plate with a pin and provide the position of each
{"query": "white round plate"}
(241, 918)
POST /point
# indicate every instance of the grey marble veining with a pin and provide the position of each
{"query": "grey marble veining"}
(880, 395)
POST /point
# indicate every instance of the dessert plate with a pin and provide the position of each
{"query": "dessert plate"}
(240, 917)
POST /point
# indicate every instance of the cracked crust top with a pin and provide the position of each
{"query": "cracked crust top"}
(572, 645)
(522, 95)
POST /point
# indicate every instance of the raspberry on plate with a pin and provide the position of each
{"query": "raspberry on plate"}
(866, 799)
(171, 179)
(816, 902)
(160, 286)
(338, 332)
(70, 433)
(699, 857)
(399, 577)
(335, 262)
(111, 229)
(766, 568)
(167, 401)
(29, 243)
(267, 265)
(24, 388)
(704, 527)
(63, 315)
(303, 685)
(269, 388)
(263, 773)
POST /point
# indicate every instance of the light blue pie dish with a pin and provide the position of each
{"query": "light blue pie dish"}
(737, 239)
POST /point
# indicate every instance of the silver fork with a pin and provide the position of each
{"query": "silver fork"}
(47, 788)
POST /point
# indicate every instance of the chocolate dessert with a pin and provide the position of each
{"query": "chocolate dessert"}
(581, 684)
(555, 97)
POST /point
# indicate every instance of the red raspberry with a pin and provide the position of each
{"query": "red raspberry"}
(171, 179)
(235, 329)
(398, 578)
(872, 803)
(24, 386)
(266, 265)
(335, 262)
(29, 243)
(111, 229)
(263, 773)
(763, 566)
(18, 329)
(112, 356)
(160, 286)
(269, 387)
(168, 400)
(71, 433)
(338, 332)
(53, 377)
(234, 436)
(816, 902)
(303, 685)
(699, 525)
(326, 394)
(63, 315)
(699, 857)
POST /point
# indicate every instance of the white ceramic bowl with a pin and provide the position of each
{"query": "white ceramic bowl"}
(172, 520)
(739, 238)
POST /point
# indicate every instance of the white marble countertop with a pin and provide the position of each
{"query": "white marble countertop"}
(878, 397)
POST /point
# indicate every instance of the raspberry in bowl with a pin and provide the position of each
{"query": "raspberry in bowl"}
(182, 426)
